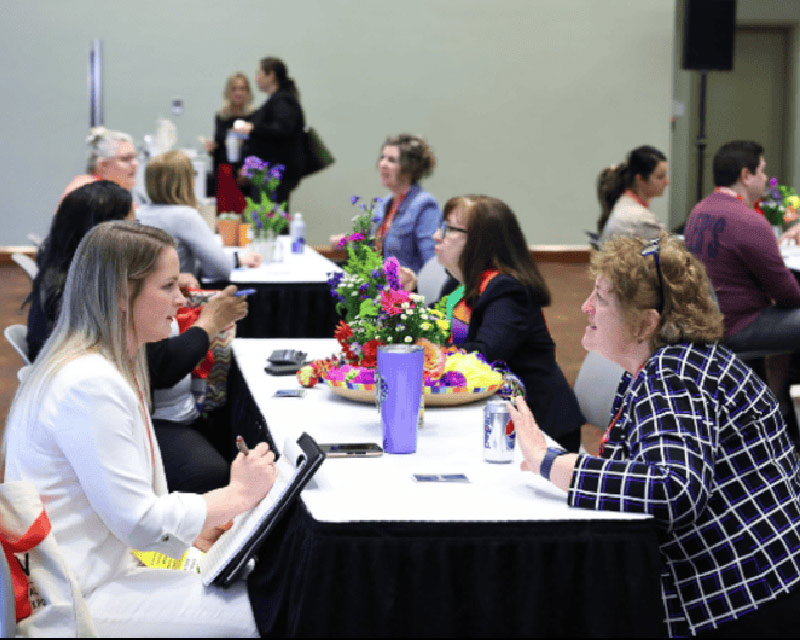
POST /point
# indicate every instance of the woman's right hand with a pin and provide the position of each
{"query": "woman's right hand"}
(253, 475)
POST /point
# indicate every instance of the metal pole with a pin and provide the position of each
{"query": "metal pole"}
(95, 81)
(701, 135)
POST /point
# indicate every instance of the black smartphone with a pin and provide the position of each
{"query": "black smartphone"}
(351, 450)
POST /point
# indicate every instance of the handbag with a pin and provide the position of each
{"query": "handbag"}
(318, 156)
(48, 597)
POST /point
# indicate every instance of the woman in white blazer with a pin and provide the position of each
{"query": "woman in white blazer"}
(79, 430)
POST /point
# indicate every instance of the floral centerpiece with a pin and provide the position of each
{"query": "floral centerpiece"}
(780, 205)
(376, 311)
(264, 215)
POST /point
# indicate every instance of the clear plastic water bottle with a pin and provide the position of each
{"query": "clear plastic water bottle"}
(297, 233)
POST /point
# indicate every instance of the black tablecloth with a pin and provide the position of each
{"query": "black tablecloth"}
(568, 578)
(291, 310)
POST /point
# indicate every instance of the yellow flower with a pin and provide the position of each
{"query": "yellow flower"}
(793, 201)
(425, 326)
(444, 325)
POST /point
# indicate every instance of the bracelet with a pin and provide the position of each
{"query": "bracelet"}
(549, 458)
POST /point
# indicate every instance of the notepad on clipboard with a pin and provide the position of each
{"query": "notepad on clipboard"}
(230, 554)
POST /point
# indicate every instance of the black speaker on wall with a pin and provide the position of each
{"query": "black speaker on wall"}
(709, 27)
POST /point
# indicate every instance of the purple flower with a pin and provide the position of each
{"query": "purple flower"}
(375, 274)
(357, 237)
(354, 199)
(391, 268)
(342, 242)
(454, 379)
(773, 181)
(254, 163)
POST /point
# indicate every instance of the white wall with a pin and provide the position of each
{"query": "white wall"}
(522, 99)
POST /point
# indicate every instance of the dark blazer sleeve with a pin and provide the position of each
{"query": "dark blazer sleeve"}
(168, 361)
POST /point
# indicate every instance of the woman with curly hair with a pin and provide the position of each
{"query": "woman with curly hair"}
(696, 440)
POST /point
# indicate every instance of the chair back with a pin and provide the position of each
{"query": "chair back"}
(595, 388)
(8, 606)
(17, 335)
(27, 264)
(430, 280)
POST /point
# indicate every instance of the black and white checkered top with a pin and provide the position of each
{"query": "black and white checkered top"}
(700, 444)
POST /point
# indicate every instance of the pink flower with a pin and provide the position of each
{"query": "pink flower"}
(391, 301)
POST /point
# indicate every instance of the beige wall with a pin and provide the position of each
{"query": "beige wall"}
(522, 99)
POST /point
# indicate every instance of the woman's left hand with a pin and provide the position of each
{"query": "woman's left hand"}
(250, 259)
(408, 279)
(243, 127)
(209, 536)
(530, 437)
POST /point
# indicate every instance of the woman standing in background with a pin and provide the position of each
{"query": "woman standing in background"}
(275, 132)
(237, 105)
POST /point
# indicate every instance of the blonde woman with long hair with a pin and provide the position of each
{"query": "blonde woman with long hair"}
(169, 179)
(237, 104)
(79, 431)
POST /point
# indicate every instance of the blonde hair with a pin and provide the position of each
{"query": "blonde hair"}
(689, 314)
(169, 179)
(103, 143)
(110, 265)
(247, 108)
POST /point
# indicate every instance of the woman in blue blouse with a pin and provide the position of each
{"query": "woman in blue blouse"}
(406, 220)
(696, 440)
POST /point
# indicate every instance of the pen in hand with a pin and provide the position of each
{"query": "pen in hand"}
(241, 446)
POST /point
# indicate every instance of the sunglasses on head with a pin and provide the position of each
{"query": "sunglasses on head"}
(653, 248)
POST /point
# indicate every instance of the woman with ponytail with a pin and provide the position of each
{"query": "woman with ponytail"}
(275, 133)
(625, 191)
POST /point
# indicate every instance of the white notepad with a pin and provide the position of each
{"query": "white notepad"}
(233, 550)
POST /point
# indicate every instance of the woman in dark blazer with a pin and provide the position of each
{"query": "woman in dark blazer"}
(275, 132)
(499, 308)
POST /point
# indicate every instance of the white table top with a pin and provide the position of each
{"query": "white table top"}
(352, 489)
(791, 256)
(308, 267)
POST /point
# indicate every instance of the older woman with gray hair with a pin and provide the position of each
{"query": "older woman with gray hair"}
(111, 156)
(696, 440)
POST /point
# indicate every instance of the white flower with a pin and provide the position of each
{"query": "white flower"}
(403, 316)
(409, 338)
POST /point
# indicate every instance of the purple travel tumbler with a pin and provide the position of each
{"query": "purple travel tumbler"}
(398, 392)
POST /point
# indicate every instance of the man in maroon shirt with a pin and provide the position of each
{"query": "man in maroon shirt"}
(758, 295)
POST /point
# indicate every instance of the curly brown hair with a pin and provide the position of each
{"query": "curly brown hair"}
(690, 312)
(416, 157)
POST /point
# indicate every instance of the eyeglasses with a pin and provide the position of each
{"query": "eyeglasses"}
(444, 228)
(653, 248)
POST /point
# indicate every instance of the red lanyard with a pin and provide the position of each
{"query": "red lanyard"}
(616, 417)
(383, 229)
(632, 194)
(147, 426)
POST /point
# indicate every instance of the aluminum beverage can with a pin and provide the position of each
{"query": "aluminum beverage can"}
(499, 436)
